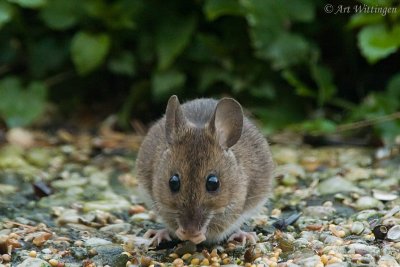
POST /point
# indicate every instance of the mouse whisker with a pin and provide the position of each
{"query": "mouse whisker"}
(218, 211)
(257, 196)
(159, 207)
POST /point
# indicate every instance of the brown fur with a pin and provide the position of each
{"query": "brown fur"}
(195, 139)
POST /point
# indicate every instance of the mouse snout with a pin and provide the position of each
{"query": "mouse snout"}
(192, 234)
(192, 225)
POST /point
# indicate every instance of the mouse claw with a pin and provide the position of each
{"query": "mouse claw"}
(243, 237)
(157, 236)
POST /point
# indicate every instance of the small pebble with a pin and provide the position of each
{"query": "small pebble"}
(32, 254)
(78, 243)
(357, 228)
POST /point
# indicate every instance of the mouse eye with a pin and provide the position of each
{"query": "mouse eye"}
(174, 183)
(212, 183)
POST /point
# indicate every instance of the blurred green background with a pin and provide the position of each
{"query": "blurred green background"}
(294, 64)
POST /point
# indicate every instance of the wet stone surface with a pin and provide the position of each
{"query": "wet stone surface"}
(73, 201)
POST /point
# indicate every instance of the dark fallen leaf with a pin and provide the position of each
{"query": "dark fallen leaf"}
(41, 189)
(249, 255)
(168, 244)
(264, 229)
(281, 224)
(338, 140)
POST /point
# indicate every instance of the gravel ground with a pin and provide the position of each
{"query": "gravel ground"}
(70, 200)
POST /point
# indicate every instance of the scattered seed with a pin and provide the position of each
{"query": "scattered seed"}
(136, 209)
(173, 255)
(214, 259)
(195, 261)
(178, 262)
(226, 261)
(6, 257)
(32, 254)
(205, 262)
(145, 261)
(186, 256)
(314, 227)
(206, 254)
(214, 253)
(336, 232)
(53, 262)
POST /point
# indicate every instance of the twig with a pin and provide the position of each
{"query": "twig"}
(369, 122)
(58, 78)
(4, 69)
(20, 224)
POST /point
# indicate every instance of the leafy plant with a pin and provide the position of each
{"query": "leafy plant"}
(21, 106)
(133, 54)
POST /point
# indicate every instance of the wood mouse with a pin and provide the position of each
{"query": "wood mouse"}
(206, 169)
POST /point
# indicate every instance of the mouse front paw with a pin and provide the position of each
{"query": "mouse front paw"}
(157, 236)
(242, 236)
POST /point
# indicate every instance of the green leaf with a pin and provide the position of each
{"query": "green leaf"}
(30, 3)
(55, 52)
(376, 42)
(61, 14)
(377, 3)
(287, 50)
(393, 89)
(323, 78)
(89, 51)
(217, 8)
(300, 10)
(172, 37)
(211, 75)
(301, 88)
(123, 63)
(166, 83)
(389, 131)
(6, 13)
(21, 106)
(265, 90)
(362, 19)
(268, 21)
(318, 126)
(115, 14)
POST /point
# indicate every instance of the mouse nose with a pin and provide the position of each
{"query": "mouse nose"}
(196, 236)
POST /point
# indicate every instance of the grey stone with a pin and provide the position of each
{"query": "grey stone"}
(34, 262)
(95, 241)
(336, 184)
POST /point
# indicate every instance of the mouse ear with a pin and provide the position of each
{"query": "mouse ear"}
(227, 122)
(174, 119)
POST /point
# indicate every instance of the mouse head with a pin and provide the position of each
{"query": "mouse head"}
(199, 177)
